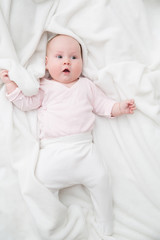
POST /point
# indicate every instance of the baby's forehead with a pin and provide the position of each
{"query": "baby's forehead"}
(63, 42)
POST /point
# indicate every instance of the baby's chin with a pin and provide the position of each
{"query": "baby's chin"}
(68, 81)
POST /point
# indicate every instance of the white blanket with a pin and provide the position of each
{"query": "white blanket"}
(121, 44)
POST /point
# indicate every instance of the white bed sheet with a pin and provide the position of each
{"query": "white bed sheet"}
(120, 41)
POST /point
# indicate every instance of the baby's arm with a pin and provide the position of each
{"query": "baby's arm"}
(15, 95)
(123, 107)
(104, 106)
(10, 85)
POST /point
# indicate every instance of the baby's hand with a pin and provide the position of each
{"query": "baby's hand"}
(127, 106)
(4, 76)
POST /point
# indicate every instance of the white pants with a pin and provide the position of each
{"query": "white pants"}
(71, 160)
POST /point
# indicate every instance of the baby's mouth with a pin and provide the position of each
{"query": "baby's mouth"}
(66, 70)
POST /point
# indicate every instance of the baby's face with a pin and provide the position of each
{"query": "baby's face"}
(64, 60)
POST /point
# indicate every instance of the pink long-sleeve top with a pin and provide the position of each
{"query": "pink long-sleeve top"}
(65, 111)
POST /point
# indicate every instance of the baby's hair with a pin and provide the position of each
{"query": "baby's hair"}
(50, 39)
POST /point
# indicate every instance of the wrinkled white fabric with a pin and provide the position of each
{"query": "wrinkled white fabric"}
(120, 41)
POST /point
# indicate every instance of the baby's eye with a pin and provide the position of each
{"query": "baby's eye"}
(59, 56)
(73, 57)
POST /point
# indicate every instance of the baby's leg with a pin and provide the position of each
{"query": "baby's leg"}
(99, 186)
(102, 202)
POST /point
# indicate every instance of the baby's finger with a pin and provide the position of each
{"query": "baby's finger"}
(132, 109)
(131, 101)
(4, 73)
(132, 104)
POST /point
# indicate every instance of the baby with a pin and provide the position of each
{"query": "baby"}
(67, 104)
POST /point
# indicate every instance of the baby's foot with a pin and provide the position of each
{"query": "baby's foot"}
(100, 231)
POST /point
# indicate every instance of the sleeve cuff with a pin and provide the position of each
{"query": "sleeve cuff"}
(108, 115)
(13, 95)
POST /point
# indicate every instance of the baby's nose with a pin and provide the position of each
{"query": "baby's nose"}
(67, 61)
